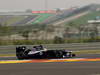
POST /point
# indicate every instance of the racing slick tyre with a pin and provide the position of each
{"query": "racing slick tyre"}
(73, 55)
(59, 54)
(20, 56)
(20, 52)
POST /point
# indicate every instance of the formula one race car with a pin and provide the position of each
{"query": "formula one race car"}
(39, 52)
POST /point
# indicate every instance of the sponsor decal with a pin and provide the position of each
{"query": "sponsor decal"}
(48, 11)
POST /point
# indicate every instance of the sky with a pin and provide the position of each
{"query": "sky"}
(40, 4)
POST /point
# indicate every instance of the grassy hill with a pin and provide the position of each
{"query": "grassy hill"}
(41, 17)
(84, 19)
(33, 22)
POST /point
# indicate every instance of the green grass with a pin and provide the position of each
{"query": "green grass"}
(7, 55)
(84, 19)
(14, 20)
(11, 20)
(41, 18)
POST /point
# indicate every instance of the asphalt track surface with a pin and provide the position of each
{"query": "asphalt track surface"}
(52, 68)
(78, 68)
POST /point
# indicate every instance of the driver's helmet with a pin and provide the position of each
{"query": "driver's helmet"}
(34, 46)
(23, 47)
(41, 47)
(38, 48)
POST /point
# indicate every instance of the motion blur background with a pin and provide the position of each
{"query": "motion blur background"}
(49, 21)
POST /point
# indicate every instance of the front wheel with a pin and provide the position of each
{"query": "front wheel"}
(69, 55)
(73, 55)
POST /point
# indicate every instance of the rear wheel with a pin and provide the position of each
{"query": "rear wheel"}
(20, 56)
(20, 52)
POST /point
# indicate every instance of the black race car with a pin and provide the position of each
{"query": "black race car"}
(39, 52)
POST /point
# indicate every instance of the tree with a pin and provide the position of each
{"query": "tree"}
(48, 31)
(66, 33)
(29, 10)
(26, 34)
(58, 40)
(5, 30)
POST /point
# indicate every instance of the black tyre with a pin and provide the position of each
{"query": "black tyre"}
(20, 52)
(73, 55)
(20, 56)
